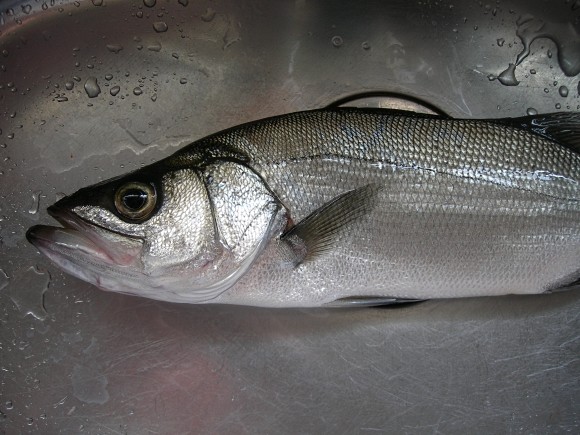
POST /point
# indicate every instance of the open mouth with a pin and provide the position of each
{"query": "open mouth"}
(75, 237)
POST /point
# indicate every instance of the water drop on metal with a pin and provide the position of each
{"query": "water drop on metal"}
(337, 41)
(183, 3)
(366, 46)
(115, 90)
(160, 26)
(563, 91)
(108, 77)
(69, 86)
(35, 202)
(183, 80)
(92, 87)
(508, 76)
(208, 15)
(114, 48)
(558, 106)
(137, 91)
(149, 3)
(531, 111)
(154, 97)
(500, 42)
(98, 2)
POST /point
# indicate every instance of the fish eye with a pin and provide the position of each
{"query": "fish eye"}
(135, 200)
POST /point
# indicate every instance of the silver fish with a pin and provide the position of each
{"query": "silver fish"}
(336, 207)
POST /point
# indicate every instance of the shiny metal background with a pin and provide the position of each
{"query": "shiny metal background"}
(78, 360)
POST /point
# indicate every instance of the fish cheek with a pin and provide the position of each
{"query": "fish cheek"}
(181, 234)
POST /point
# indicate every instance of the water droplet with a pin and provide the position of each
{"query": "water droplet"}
(532, 71)
(114, 48)
(24, 292)
(10, 136)
(501, 42)
(546, 90)
(139, 14)
(183, 80)
(160, 26)
(61, 99)
(108, 77)
(137, 91)
(69, 85)
(29, 421)
(183, 2)
(208, 15)
(337, 41)
(565, 38)
(366, 46)
(5, 53)
(558, 106)
(35, 202)
(508, 77)
(98, 2)
(115, 90)
(92, 87)
(44, 6)
(9, 405)
(149, 3)
(76, 78)
(154, 47)
(26, 9)
(563, 91)
(154, 97)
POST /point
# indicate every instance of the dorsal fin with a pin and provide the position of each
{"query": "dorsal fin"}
(561, 127)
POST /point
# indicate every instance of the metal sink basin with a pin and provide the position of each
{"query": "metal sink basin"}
(93, 89)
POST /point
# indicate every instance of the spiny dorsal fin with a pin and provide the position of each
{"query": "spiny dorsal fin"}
(561, 127)
(317, 233)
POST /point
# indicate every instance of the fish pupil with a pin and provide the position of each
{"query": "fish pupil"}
(135, 199)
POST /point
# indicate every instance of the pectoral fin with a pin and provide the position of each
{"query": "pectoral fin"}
(317, 233)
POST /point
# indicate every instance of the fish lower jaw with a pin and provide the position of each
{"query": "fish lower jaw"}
(57, 242)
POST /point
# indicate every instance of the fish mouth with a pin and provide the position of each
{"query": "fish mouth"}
(76, 237)
(82, 241)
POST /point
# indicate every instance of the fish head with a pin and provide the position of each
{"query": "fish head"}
(168, 231)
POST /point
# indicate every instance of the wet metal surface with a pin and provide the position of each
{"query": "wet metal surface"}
(92, 89)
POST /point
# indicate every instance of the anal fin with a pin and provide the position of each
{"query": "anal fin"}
(370, 301)
(317, 233)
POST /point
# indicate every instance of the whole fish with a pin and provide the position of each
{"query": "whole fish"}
(336, 207)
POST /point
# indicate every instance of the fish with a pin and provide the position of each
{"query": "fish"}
(336, 207)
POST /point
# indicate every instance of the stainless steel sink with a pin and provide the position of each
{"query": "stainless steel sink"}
(92, 89)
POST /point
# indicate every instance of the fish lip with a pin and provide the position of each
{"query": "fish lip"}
(73, 235)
